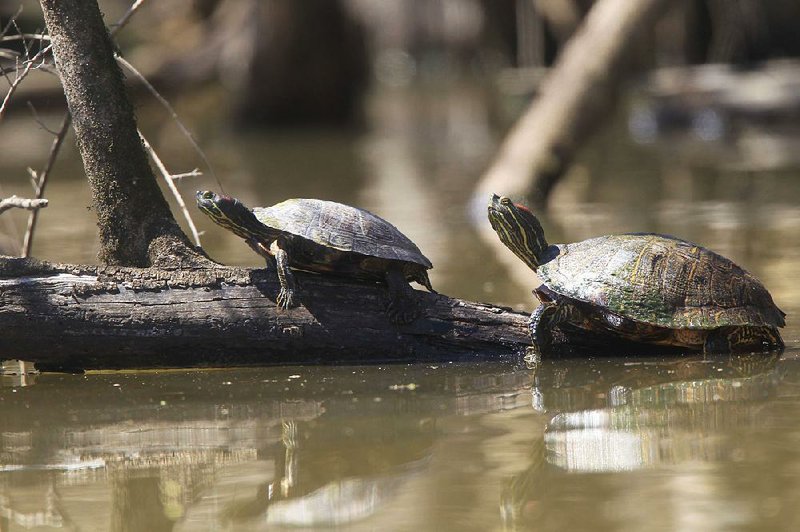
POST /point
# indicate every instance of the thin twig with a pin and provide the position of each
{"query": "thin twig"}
(194, 173)
(41, 181)
(171, 184)
(163, 101)
(28, 67)
(5, 53)
(39, 121)
(23, 36)
(11, 22)
(21, 203)
(126, 17)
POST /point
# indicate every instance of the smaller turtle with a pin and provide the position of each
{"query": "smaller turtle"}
(640, 287)
(325, 237)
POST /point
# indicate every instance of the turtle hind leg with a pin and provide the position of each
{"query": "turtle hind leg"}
(744, 339)
(286, 296)
(402, 307)
(421, 276)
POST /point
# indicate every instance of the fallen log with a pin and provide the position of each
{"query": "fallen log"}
(70, 317)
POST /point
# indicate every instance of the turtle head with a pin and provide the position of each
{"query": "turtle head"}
(518, 229)
(230, 213)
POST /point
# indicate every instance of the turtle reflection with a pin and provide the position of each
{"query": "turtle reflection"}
(328, 475)
(644, 414)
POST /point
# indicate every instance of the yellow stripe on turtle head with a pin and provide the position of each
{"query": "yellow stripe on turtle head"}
(518, 229)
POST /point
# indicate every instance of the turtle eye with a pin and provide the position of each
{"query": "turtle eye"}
(208, 195)
(505, 202)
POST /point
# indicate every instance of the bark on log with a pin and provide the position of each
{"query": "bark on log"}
(93, 317)
(577, 94)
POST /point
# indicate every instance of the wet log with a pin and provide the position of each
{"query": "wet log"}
(70, 317)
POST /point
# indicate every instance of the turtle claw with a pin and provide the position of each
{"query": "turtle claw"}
(286, 298)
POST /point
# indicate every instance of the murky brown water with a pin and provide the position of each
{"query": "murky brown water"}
(648, 444)
(645, 444)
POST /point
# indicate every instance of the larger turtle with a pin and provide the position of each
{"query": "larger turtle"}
(640, 287)
(325, 237)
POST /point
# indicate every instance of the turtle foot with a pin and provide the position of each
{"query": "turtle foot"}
(743, 339)
(286, 298)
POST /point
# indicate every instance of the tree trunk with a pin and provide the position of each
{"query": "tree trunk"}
(136, 227)
(576, 96)
(88, 317)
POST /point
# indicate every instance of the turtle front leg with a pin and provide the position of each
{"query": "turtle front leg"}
(401, 308)
(744, 339)
(285, 276)
(543, 319)
(547, 317)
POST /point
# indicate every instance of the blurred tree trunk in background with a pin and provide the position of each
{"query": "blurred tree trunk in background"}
(286, 62)
(135, 224)
(575, 98)
(747, 31)
(306, 64)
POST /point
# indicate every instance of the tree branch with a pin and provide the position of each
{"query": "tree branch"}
(168, 179)
(173, 114)
(29, 65)
(21, 203)
(41, 181)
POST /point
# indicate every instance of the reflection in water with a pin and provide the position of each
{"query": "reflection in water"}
(237, 449)
(628, 416)
(568, 444)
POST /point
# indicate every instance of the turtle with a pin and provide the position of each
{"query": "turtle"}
(325, 237)
(644, 288)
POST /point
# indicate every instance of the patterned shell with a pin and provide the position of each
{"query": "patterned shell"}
(660, 280)
(341, 227)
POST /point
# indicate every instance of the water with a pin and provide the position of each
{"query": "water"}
(597, 444)
(648, 444)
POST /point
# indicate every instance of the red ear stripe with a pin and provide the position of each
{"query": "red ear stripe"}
(523, 208)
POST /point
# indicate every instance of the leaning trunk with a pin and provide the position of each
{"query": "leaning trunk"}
(136, 227)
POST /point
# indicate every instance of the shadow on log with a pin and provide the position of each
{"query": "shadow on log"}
(72, 317)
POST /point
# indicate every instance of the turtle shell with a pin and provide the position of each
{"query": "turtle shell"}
(341, 227)
(659, 280)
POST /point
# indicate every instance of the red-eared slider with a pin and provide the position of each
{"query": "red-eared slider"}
(640, 287)
(325, 237)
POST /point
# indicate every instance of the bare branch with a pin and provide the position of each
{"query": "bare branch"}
(126, 17)
(23, 36)
(29, 65)
(9, 54)
(11, 22)
(171, 184)
(21, 203)
(163, 101)
(40, 121)
(40, 181)
(194, 173)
